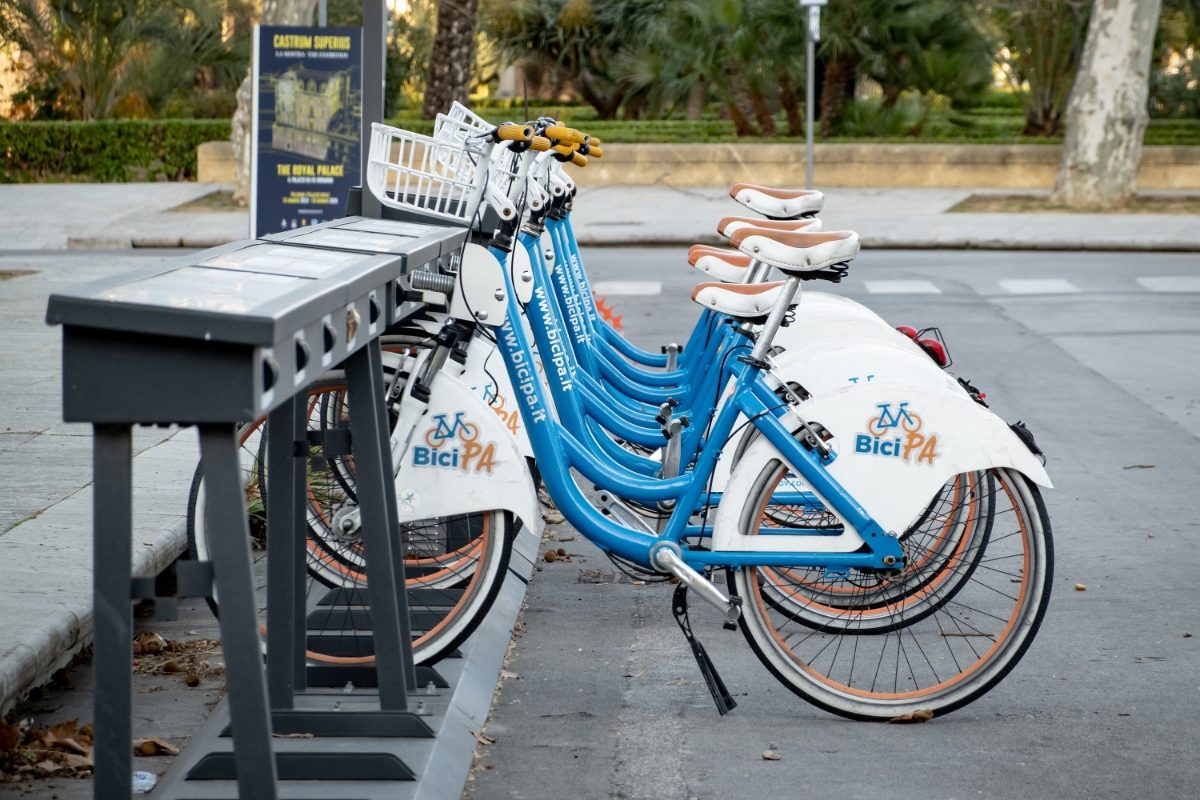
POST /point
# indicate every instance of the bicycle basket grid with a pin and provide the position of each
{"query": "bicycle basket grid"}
(462, 125)
(410, 171)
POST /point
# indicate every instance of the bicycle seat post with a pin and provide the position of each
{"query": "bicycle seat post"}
(763, 345)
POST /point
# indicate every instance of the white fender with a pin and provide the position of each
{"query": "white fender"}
(894, 474)
(822, 367)
(455, 456)
(486, 376)
(816, 302)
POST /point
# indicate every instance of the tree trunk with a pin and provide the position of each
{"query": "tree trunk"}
(606, 105)
(697, 96)
(762, 112)
(791, 106)
(452, 60)
(1106, 115)
(840, 74)
(275, 12)
(738, 100)
(634, 106)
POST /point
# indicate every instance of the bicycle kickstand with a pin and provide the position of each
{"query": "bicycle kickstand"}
(716, 687)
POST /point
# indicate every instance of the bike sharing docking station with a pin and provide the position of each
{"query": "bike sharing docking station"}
(224, 337)
(215, 339)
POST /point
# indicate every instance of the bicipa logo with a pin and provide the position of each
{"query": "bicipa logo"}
(455, 445)
(898, 434)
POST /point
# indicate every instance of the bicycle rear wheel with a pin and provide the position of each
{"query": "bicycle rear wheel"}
(879, 653)
(942, 546)
(454, 565)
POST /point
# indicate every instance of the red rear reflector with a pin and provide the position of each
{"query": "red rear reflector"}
(907, 330)
(935, 350)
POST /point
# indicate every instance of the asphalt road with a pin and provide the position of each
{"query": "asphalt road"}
(1097, 354)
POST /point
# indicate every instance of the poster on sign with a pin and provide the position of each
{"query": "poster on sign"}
(307, 122)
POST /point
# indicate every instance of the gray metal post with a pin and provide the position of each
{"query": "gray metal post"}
(323, 14)
(812, 35)
(225, 519)
(372, 462)
(112, 550)
(810, 79)
(389, 493)
(285, 566)
(373, 64)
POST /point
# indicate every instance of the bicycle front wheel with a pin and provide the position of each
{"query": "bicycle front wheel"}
(936, 645)
(454, 565)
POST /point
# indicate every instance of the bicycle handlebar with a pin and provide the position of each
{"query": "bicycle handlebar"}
(540, 144)
(510, 132)
(565, 134)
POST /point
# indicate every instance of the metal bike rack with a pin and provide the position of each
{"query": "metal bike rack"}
(221, 337)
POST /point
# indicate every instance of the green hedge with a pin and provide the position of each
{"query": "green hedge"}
(147, 150)
(106, 151)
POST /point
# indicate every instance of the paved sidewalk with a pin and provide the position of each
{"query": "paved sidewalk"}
(118, 216)
(45, 475)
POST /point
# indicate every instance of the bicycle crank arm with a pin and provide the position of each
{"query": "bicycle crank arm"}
(666, 559)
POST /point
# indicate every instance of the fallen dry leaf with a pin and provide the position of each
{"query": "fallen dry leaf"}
(920, 715)
(1081, 587)
(10, 736)
(771, 755)
(154, 747)
(506, 674)
(483, 738)
(148, 642)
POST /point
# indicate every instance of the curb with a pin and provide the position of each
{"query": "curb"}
(53, 619)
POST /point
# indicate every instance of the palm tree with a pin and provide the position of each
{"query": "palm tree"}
(90, 56)
(452, 61)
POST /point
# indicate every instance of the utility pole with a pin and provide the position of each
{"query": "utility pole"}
(813, 27)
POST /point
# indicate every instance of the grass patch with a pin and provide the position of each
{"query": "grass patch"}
(9, 274)
(1025, 204)
(218, 201)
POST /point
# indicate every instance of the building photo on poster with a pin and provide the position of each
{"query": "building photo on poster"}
(307, 120)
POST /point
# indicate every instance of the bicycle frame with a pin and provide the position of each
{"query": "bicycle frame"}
(558, 451)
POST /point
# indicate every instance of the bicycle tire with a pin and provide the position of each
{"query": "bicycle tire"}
(932, 662)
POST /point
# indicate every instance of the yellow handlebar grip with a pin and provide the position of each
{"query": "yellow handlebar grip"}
(541, 144)
(594, 140)
(563, 149)
(579, 159)
(514, 133)
(565, 134)
(594, 151)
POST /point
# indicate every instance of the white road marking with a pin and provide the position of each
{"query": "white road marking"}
(1039, 286)
(1173, 283)
(901, 287)
(611, 288)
